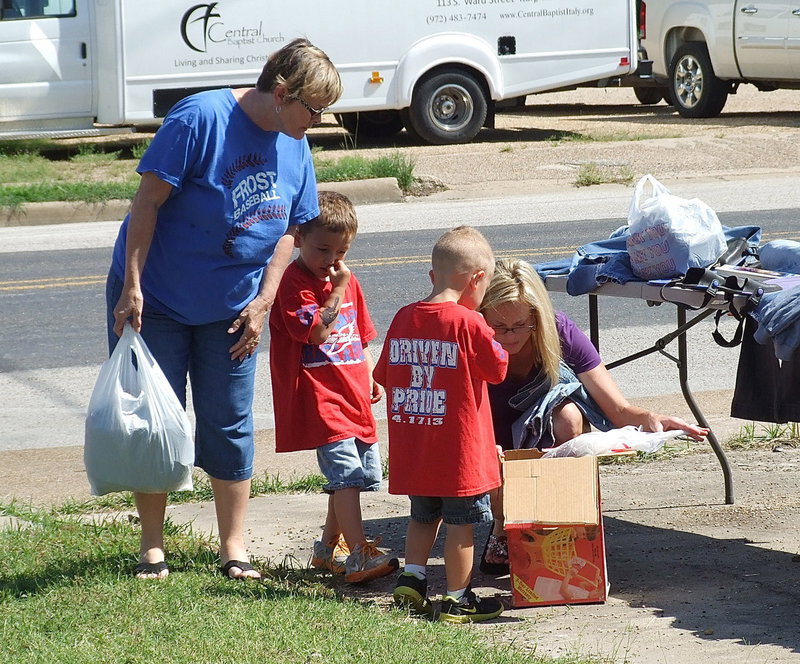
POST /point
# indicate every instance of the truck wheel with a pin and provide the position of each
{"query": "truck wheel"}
(448, 107)
(648, 95)
(694, 90)
(371, 124)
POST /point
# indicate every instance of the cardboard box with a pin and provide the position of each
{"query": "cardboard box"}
(554, 524)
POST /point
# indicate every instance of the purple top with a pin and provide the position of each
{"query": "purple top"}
(578, 354)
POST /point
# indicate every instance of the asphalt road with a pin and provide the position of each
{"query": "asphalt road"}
(53, 301)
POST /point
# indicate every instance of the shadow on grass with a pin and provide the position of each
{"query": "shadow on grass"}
(47, 552)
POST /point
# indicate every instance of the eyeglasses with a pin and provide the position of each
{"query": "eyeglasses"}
(518, 329)
(313, 111)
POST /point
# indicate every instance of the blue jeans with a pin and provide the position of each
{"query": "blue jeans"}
(222, 389)
(350, 463)
(454, 511)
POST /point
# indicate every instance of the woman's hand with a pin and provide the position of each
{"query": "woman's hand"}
(129, 307)
(251, 323)
(658, 422)
(251, 320)
(602, 388)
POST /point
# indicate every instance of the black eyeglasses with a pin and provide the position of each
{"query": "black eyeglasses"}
(518, 329)
(310, 109)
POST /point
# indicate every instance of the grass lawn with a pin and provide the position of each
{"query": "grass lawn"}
(67, 596)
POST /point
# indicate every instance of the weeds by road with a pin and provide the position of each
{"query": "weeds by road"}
(41, 171)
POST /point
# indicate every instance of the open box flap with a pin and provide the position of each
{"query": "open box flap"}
(562, 491)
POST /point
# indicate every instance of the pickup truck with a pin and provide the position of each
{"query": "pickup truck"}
(702, 50)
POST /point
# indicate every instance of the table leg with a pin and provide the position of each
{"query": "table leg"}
(594, 322)
(683, 376)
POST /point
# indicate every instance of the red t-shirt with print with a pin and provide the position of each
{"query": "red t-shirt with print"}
(320, 393)
(436, 361)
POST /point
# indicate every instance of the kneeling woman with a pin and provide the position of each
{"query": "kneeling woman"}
(557, 386)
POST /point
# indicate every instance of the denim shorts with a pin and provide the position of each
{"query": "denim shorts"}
(222, 389)
(350, 463)
(455, 511)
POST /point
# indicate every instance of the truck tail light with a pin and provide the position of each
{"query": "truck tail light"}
(642, 20)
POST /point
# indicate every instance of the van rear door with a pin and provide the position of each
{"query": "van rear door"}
(45, 70)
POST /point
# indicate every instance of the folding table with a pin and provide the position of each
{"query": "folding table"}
(685, 300)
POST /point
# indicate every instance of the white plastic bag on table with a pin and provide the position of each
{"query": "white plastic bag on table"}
(668, 234)
(137, 436)
(626, 439)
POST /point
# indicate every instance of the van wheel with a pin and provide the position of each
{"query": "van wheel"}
(694, 90)
(649, 96)
(448, 107)
(371, 124)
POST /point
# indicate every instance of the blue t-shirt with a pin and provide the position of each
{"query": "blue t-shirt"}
(236, 190)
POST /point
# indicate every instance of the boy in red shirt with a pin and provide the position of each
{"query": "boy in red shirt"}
(438, 355)
(322, 384)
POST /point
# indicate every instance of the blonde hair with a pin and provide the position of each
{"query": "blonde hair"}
(336, 215)
(305, 70)
(517, 281)
(461, 249)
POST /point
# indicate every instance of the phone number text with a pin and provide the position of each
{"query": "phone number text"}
(456, 18)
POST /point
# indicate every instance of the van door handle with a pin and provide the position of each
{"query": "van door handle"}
(796, 12)
(83, 50)
(749, 10)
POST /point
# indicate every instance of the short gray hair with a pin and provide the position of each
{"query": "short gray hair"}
(305, 70)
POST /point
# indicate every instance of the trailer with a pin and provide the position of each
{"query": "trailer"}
(434, 67)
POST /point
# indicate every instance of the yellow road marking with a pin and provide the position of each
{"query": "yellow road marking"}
(95, 279)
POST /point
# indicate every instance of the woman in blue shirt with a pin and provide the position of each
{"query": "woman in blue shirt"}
(198, 260)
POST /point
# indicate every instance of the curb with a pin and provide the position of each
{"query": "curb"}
(63, 212)
(361, 192)
(365, 192)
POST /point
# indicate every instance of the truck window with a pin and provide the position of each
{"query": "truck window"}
(26, 9)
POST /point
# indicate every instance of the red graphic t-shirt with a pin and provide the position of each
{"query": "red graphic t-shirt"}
(320, 393)
(436, 361)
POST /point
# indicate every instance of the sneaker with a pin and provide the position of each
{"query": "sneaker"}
(471, 608)
(368, 562)
(332, 556)
(494, 559)
(410, 594)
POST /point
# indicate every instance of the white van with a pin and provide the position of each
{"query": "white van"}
(435, 67)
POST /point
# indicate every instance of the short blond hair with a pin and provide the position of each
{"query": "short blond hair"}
(336, 215)
(305, 70)
(462, 249)
(516, 281)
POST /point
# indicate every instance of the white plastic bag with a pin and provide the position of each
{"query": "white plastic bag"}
(137, 436)
(668, 234)
(626, 439)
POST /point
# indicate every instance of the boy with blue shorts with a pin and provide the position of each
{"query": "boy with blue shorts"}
(437, 358)
(322, 386)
